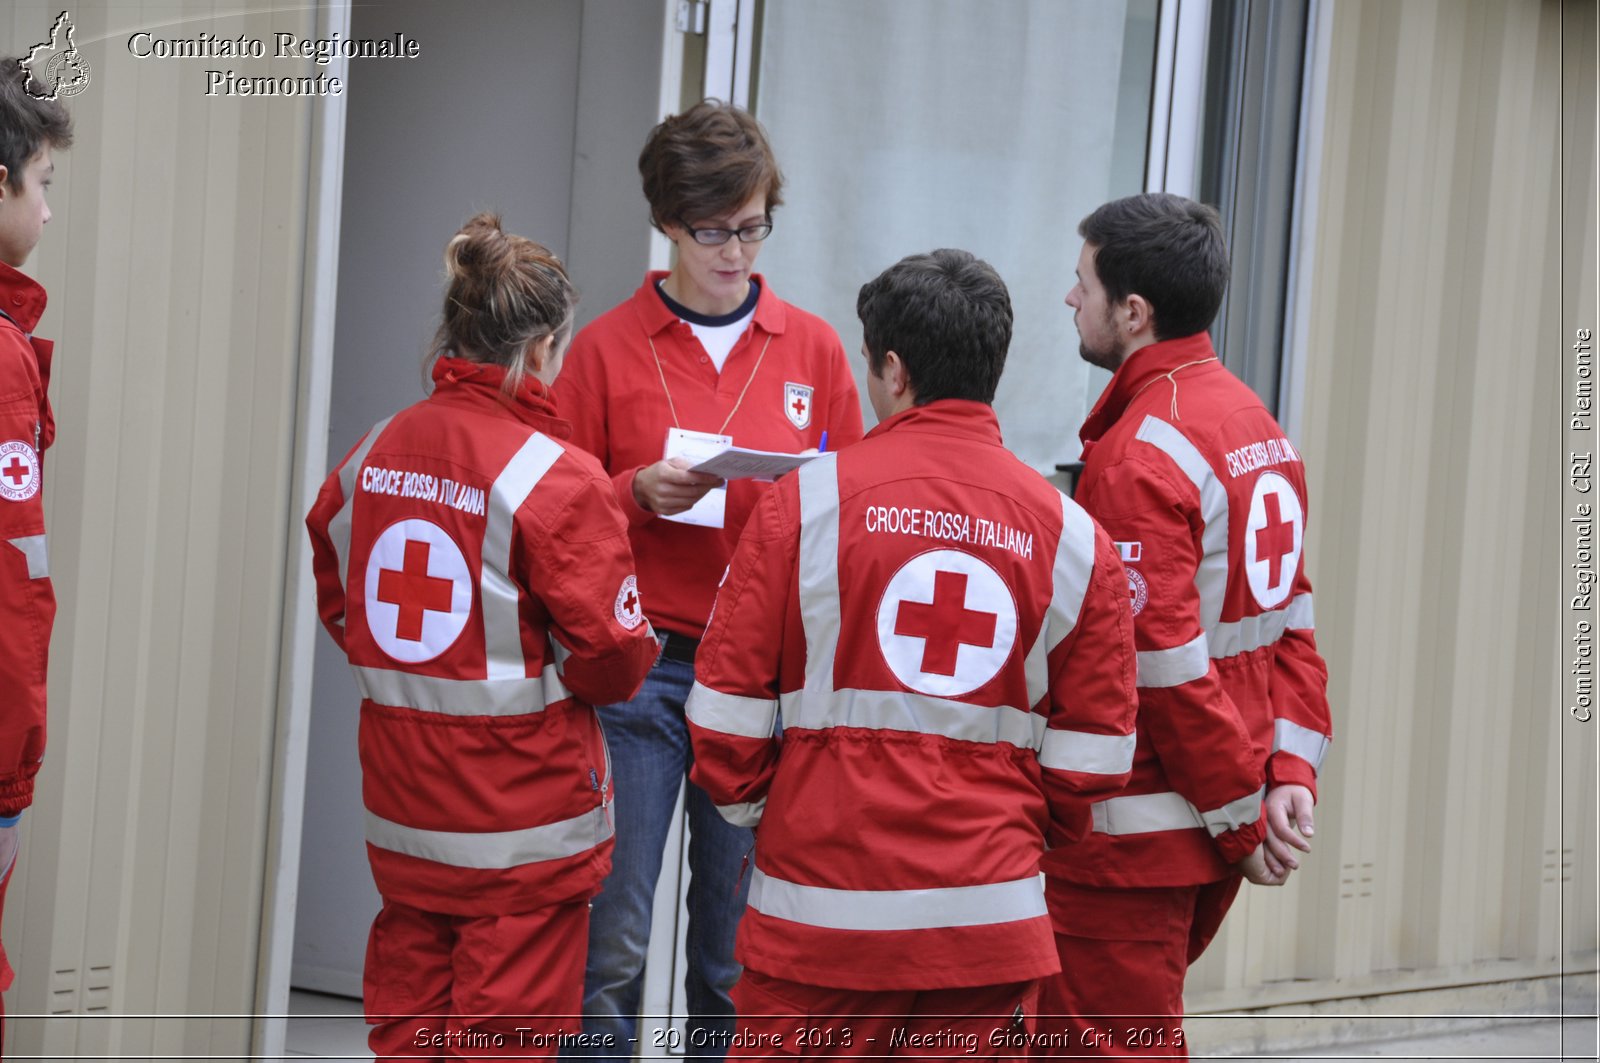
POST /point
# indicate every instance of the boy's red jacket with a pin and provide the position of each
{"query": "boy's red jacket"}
(476, 571)
(949, 642)
(27, 598)
(1206, 498)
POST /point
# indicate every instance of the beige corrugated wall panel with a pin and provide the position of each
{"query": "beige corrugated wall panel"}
(1576, 232)
(1444, 845)
(174, 267)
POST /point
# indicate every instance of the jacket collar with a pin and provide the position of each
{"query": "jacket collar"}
(654, 316)
(22, 297)
(946, 417)
(1141, 369)
(532, 402)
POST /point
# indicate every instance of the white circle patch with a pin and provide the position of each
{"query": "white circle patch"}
(1138, 591)
(629, 613)
(19, 471)
(946, 623)
(1273, 538)
(419, 591)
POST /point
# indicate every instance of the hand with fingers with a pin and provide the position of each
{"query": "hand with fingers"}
(1289, 825)
(668, 487)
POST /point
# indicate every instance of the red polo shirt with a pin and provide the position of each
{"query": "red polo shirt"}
(784, 383)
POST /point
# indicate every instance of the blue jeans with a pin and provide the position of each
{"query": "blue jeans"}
(650, 756)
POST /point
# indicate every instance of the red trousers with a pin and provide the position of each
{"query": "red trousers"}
(474, 987)
(779, 1018)
(1124, 954)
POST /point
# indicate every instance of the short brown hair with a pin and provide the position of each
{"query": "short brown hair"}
(1166, 248)
(707, 160)
(947, 314)
(504, 292)
(27, 123)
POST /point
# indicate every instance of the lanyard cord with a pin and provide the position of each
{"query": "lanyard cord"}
(673, 409)
(1172, 377)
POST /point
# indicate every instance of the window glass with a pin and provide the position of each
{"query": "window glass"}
(993, 126)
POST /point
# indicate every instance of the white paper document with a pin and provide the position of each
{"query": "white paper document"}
(738, 463)
(699, 447)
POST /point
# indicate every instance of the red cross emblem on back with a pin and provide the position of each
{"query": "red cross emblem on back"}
(419, 590)
(1275, 539)
(1274, 535)
(945, 624)
(414, 591)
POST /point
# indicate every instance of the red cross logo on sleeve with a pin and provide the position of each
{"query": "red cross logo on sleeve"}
(413, 591)
(946, 623)
(419, 591)
(19, 471)
(628, 610)
(1274, 535)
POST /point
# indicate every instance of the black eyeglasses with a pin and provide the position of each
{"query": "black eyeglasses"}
(715, 237)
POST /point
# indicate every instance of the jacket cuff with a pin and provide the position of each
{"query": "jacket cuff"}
(1234, 845)
(1285, 769)
(631, 508)
(15, 795)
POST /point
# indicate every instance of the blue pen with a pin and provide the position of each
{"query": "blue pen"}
(822, 447)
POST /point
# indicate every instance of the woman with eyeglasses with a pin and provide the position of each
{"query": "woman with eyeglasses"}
(700, 354)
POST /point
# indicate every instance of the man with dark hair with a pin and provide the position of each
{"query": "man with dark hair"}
(29, 130)
(1206, 499)
(950, 643)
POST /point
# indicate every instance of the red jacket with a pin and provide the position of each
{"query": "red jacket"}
(27, 599)
(1206, 497)
(784, 383)
(476, 572)
(948, 638)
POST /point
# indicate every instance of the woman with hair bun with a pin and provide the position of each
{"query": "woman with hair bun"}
(705, 349)
(475, 569)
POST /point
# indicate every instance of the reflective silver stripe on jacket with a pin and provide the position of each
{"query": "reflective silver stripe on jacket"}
(907, 710)
(929, 909)
(1211, 578)
(502, 621)
(743, 815)
(1174, 667)
(731, 714)
(1303, 742)
(496, 850)
(1237, 813)
(1301, 614)
(1069, 584)
(461, 697)
(819, 570)
(1094, 754)
(339, 526)
(1144, 813)
(35, 553)
(1253, 632)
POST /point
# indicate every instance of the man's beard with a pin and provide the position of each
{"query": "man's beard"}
(1101, 357)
